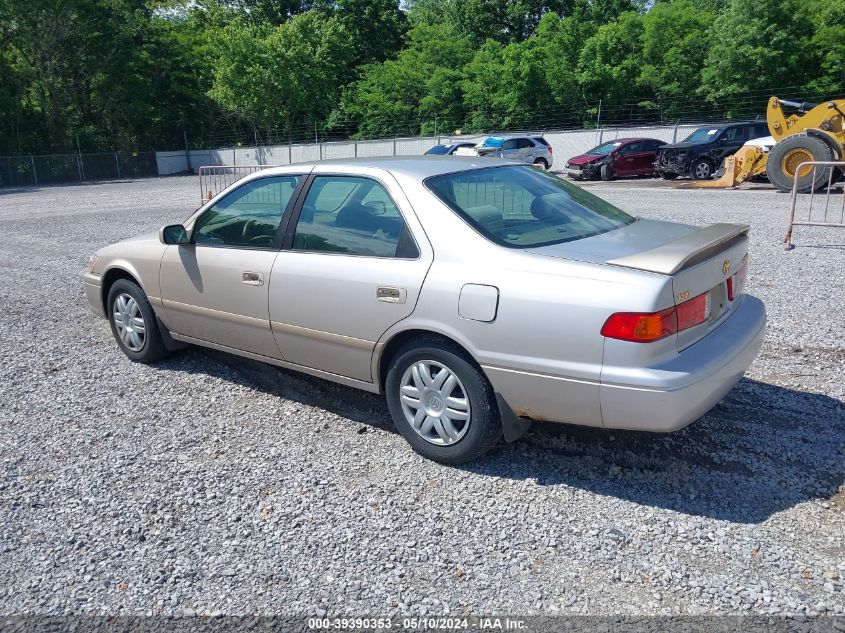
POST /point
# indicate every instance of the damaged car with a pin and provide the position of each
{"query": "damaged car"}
(700, 154)
(617, 158)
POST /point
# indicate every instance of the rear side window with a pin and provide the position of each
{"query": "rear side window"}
(735, 134)
(541, 140)
(522, 143)
(354, 216)
(521, 207)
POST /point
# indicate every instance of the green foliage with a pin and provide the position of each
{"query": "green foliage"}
(131, 73)
(423, 81)
(283, 74)
(758, 44)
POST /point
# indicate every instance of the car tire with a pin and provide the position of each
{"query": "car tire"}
(542, 163)
(419, 363)
(785, 157)
(701, 169)
(606, 172)
(141, 341)
(668, 176)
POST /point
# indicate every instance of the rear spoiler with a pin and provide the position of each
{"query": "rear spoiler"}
(687, 251)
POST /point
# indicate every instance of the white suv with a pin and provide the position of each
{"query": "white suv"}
(534, 150)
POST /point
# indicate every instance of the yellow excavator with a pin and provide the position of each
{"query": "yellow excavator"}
(817, 133)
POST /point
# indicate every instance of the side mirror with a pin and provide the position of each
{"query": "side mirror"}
(173, 234)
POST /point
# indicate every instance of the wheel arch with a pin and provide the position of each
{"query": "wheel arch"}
(110, 276)
(394, 341)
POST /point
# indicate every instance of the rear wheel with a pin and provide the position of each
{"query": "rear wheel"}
(786, 157)
(133, 323)
(541, 163)
(702, 169)
(441, 402)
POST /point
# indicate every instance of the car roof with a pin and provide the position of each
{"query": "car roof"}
(414, 166)
(631, 139)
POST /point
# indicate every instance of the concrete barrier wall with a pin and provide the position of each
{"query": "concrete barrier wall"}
(565, 144)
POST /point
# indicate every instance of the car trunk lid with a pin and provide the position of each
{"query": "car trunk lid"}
(699, 261)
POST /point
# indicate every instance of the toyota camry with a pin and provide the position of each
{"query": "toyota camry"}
(475, 296)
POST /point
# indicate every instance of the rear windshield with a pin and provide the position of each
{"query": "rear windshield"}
(438, 149)
(605, 149)
(523, 207)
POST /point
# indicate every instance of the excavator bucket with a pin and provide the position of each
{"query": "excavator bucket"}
(747, 162)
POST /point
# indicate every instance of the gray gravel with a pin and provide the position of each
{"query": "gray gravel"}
(209, 484)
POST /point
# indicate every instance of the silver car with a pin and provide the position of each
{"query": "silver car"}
(476, 296)
(533, 150)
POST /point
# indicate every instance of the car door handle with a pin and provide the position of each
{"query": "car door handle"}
(253, 279)
(391, 295)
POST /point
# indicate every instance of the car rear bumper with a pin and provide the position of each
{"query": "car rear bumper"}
(670, 396)
(660, 398)
(93, 285)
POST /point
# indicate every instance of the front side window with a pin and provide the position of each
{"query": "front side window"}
(522, 207)
(604, 149)
(249, 216)
(351, 215)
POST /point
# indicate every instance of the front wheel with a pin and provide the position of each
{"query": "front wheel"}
(607, 172)
(441, 402)
(133, 323)
(702, 169)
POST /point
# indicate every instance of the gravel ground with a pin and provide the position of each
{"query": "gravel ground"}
(210, 484)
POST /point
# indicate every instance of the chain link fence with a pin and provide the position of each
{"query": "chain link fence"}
(43, 169)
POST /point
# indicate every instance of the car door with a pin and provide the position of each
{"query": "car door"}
(626, 159)
(508, 149)
(525, 150)
(215, 289)
(352, 265)
(731, 140)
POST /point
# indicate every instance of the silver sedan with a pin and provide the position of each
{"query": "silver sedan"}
(475, 296)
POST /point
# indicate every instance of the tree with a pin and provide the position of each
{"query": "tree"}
(394, 96)
(675, 41)
(759, 45)
(281, 76)
(610, 62)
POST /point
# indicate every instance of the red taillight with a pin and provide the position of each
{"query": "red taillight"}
(736, 283)
(645, 327)
(550, 148)
(641, 327)
(693, 312)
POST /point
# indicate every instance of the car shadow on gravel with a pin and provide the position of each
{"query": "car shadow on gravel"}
(762, 450)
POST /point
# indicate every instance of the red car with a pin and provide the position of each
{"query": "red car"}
(619, 157)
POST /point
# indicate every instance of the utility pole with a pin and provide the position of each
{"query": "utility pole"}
(187, 150)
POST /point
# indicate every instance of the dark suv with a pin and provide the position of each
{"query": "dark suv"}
(702, 152)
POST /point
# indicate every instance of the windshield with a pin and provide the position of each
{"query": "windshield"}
(438, 149)
(522, 207)
(493, 141)
(604, 149)
(703, 135)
